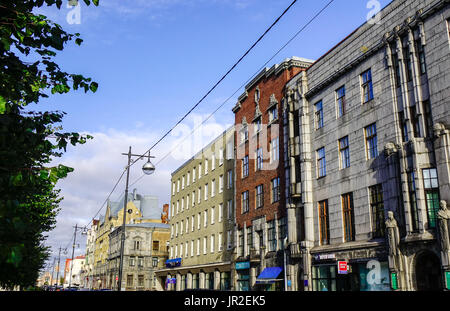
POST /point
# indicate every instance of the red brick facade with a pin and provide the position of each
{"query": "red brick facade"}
(268, 85)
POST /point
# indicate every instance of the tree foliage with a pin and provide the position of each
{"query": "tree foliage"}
(30, 140)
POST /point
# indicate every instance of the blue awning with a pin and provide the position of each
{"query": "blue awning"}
(176, 262)
(269, 275)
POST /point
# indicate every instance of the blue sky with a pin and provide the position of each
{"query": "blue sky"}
(153, 60)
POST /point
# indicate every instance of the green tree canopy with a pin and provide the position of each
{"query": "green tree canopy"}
(30, 140)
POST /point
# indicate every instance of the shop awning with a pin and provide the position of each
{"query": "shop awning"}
(176, 262)
(269, 275)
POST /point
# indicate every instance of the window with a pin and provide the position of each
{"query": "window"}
(229, 179)
(220, 212)
(188, 178)
(155, 246)
(137, 245)
(129, 280)
(178, 185)
(257, 125)
(396, 63)
(321, 163)
(199, 197)
(274, 150)
(206, 192)
(408, 63)
(431, 186)
(212, 243)
(415, 121)
(193, 198)
(421, 57)
(324, 278)
(213, 162)
(282, 231)
(319, 115)
(271, 236)
(154, 262)
(428, 118)
(259, 159)
(173, 188)
(273, 113)
(182, 182)
(229, 235)
(193, 175)
(244, 134)
(187, 201)
(249, 239)
(186, 249)
(244, 202)
(377, 211)
(199, 171)
(259, 196)
(131, 261)
(213, 188)
(192, 223)
(140, 261)
(199, 220)
(187, 224)
(182, 204)
(340, 100)
(245, 166)
(366, 85)
(240, 249)
(192, 248)
(348, 217)
(257, 95)
(220, 156)
(220, 183)
(371, 141)
(404, 126)
(178, 207)
(324, 228)
(230, 209)
(275, 189)
(205, 218)
(219, 242)
(205, 245)
(181, 227)
(344, 152)
(413, 202)
(206, 166)
(198, 246)
(213, 215)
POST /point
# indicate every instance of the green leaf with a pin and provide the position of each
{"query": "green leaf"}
(2, 105)
(93, 87)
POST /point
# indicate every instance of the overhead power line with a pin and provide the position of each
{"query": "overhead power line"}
(243, 85)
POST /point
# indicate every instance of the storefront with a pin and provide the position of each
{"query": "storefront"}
(243, 275)
(270, 279)
(362, 274)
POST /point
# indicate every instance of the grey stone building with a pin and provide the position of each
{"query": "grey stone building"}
(369, 144)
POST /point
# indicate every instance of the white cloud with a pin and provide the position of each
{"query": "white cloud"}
(99, 163)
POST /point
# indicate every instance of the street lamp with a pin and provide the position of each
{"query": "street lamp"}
(148, 168)
(83, 232)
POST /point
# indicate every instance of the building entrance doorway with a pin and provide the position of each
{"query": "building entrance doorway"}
(428, 272)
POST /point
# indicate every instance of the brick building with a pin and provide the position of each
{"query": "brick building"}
(260, 178)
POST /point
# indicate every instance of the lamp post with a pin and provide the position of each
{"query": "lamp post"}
(148, 169)
(73, 249)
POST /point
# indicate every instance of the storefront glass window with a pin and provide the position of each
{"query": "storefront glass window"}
(324, 278)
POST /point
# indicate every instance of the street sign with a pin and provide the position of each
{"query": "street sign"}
(342, 267)
(394, 281)
(447, 279)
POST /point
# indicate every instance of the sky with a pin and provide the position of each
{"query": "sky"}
(154, 60)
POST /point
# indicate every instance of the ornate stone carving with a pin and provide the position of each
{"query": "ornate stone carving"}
(390, 149)
(394, 242)
(443, 217)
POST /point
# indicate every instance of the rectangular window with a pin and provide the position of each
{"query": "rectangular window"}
(220, 212)
(259, 159)
(192, 248)
(348, 217)
(274, 150)
(344, 152)
(220, 183)
(321, 163)
(319, 115)
(257, 125)
(192, 223)
(271, 236)
(205, 218)
(275, 189)
(230, 209)
(154, 262)
(229, 179)
(324, 228)
(431, 186)
(408, 63)
(428, 118)
(206, 192)
(206, 166)
(421, 57)
(229, 234)
(366, 85)
(199, 220)
(249, 239)
(371, 141)
(193, 198)
(340, 101)
(259, 196)
(273, 113)
(282, 231)
(205, 245)
(220, 156)
(193, 175)
(219, 242)
(241, 243)
(155, 246)
(213, 215)
(377, 211)
(199, 171)
(413, 201)
(245, 166)
(129, 280)
(198, 246)
(131, 261)
(245, 202)
(212, 244)
(415, 121)
(213, 188)
(213, 162)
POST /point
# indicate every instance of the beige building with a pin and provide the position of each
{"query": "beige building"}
(202, 219)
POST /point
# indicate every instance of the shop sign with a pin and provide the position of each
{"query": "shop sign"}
(342, 267)
(242, 265)
(325, 256)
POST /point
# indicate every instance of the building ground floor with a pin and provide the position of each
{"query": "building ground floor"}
(214, 276)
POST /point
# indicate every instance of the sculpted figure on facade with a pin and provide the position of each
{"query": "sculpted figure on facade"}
(443, 216)
(394, 241)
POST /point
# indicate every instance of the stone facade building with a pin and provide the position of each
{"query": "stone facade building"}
(145, 251)
(201, 219)
(260, 194)
(369, 156)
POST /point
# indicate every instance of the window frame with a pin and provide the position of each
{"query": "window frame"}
(367, 86)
